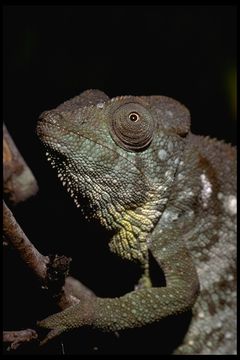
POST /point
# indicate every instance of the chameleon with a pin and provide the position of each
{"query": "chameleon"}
(162, 191)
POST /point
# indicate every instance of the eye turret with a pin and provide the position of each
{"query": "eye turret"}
(132, 126)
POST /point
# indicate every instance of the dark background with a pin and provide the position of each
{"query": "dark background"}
(52, 53)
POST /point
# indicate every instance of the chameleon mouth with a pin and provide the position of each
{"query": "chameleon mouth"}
(52, 135)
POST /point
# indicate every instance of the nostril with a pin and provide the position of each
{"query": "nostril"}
(43, 114)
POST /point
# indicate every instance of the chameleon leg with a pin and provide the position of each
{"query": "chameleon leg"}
(139, 307)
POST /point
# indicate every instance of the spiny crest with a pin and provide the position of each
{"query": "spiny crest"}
(66, 176)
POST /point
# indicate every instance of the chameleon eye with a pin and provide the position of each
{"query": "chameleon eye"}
(133, 116)
(132, 126)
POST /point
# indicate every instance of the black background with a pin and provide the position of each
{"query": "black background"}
(52, 53)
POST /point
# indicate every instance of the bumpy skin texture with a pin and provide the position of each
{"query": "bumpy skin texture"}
(162, 190)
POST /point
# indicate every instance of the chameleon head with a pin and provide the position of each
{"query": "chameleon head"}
(108, 151)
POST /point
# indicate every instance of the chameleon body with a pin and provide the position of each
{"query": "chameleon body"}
(161, 190)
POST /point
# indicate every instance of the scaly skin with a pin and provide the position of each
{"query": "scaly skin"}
(162, 190)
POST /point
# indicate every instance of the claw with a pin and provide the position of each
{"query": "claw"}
(55, 330)
(52, 334)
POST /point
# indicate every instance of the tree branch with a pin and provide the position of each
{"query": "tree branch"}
(16, 237)
(19, 181)
(52, 271)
